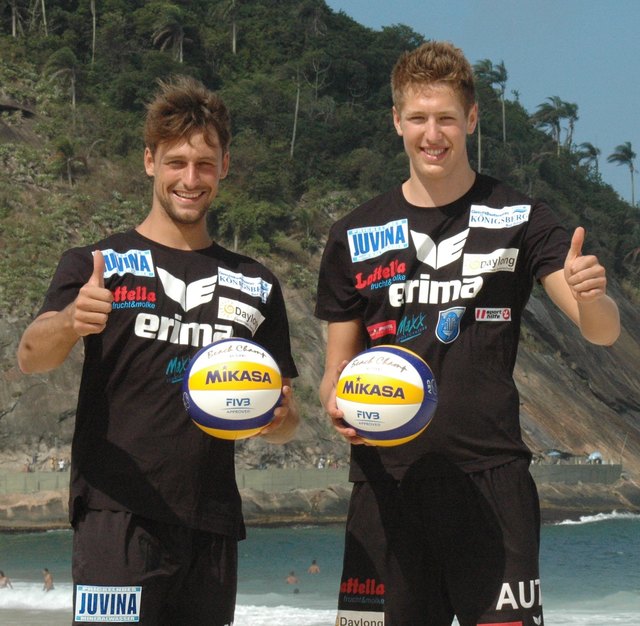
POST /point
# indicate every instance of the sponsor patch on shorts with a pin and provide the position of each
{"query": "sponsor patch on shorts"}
(107, 604)
(359, 618)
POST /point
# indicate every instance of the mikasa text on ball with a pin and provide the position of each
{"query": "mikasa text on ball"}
(231, 388)
(388, 395)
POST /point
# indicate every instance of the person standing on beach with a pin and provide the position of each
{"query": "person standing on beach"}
(48, 580)
(5, 581)
(154, 503)
(447, 524)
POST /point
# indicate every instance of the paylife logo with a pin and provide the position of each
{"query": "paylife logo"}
(369, 242)
(501, 260)
(136, 262)
(505, 217)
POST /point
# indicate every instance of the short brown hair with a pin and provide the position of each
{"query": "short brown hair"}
(182, 107)
(433, 62)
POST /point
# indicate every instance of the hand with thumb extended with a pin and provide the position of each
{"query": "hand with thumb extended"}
(92, 306)
(584, 274)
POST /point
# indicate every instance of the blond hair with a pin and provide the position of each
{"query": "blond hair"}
(434, 62)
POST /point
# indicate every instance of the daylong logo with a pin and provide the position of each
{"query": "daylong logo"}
(505, 217)
(251, 285)
(501, 260)
(240, 312)
(369, 242)
(188, 296)
(443, 253)
(136, 262)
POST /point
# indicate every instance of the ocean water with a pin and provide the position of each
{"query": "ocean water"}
(590, 575)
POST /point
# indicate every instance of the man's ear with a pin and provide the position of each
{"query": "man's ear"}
(472, 119)
(396, 120)
(149, 166)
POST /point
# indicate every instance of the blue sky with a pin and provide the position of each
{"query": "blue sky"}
(584, 51)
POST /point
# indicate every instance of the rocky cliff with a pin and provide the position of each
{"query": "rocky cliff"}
(574, 396)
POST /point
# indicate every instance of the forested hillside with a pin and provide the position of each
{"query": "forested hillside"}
(309, 94)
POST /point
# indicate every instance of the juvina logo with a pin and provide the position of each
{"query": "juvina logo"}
(369, 242)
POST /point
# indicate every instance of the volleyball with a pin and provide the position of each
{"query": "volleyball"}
(231, 388)
(388, 394)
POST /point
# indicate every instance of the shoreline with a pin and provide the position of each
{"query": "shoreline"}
(48, 510)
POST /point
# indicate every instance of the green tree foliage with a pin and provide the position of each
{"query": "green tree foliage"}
(308, 90)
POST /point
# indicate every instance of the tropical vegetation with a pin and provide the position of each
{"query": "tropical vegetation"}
(310, 101)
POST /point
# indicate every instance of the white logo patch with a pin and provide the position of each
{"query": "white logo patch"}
(107, 604)
(372, 241)
(501, 260)
(251, 285)
(359, 618)
(136, 262)
(188, 296)
(443, 253)
(240, 312)
(506, 217)
(493, 314)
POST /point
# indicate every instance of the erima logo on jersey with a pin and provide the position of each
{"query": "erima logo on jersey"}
(443, 253)
(136, 262)
(369, 242)
(251, 285)
(188, 296)
(506, 217)
(107, 604)
(501, 260)
(240, 312)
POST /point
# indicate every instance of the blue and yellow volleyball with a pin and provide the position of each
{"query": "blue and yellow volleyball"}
(388, 394)
(231, 388)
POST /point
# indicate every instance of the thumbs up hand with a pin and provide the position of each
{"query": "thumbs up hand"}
(584, 274)
(92, 306)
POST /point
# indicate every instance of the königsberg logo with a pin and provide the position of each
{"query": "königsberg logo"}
(369, 242)
(505, 217)
(251, 285)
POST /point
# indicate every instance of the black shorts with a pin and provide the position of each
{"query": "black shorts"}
(440, 544)
(129, 569)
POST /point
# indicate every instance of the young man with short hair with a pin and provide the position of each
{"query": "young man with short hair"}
(154, 503)
(447, 524)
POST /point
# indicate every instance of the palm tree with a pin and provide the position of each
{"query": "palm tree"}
(169, 30)
(494, 75)
(624, 155)
(549, 115)
(64, 64)
(570, 113)
(589, 153)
